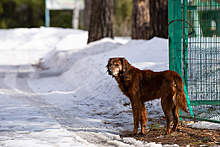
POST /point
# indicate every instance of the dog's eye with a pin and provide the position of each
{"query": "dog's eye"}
(117, 64)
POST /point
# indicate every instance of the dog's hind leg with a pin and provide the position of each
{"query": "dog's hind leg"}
(143, 119)
(167, 106)
(175, 113)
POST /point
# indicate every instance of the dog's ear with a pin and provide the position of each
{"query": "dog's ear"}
(125, 65)
(109, 60)
(108, 63)
(107, 66)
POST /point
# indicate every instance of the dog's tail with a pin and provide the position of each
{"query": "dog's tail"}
(179, 97)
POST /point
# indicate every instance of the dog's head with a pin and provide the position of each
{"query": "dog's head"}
(117, 66)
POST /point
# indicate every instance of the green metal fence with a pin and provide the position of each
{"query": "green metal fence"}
(194, 52)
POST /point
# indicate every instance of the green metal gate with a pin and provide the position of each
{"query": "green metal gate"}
(194, 52)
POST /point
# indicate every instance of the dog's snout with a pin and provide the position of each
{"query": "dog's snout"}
(110, 70)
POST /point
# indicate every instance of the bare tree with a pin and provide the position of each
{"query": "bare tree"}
(87, 13)
(159, 17)
(141, 27)
(149, 19)
(101, 20)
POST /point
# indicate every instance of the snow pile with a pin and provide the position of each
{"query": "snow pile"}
(59, 61)
(205, 125)
(25, 46)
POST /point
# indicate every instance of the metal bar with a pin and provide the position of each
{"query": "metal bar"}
(199, 118)
(205, 102)
(170, 35)
(185, 44)
(47, 15)
(188, 101)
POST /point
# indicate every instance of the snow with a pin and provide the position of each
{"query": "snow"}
(67, 98)
(204, 125)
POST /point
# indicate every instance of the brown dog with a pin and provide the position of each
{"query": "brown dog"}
(145, 85)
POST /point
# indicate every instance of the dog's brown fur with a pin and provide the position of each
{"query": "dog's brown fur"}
(145, 85)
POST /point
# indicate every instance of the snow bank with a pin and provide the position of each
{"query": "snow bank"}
(25, 46)
(59, 61)
(205, 125)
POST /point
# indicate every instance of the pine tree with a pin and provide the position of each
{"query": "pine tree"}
(149, 19)
(101, 20)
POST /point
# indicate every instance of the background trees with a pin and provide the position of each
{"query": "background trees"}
(101, 20)
(122, 17)
(122, 11)
(149, 19)
(141, 19)
(30, 13)
(159, 17)
(21, 13)
(87, 13)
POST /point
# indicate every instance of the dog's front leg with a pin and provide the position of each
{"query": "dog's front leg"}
(143, 118)
(136, 116)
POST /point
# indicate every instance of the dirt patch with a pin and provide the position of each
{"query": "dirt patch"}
(183, 136)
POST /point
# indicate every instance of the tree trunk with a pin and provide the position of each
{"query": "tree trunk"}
(101, 20)
(87, 13)
(149, 19)
(159, 17)
(141, 26)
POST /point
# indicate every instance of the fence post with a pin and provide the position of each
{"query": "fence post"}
(75, 18)
(47, 15)
(175, 37)
(170, 35)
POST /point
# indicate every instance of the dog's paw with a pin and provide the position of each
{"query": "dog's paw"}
(141, 134)
(133, 134)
